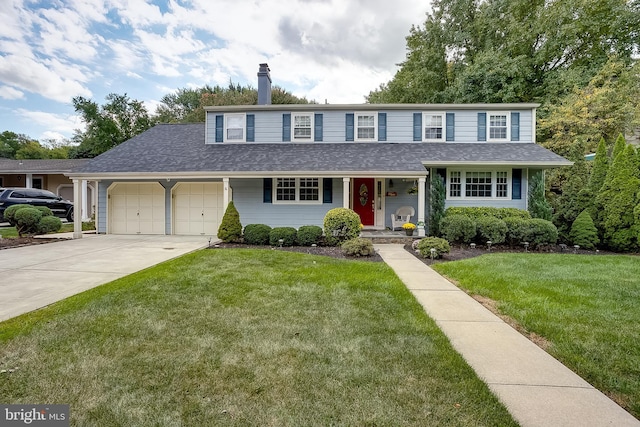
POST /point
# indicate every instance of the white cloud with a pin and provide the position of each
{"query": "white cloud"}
(7, 92)
(47, 136)
(63, 124)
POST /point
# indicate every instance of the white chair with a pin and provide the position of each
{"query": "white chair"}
(403, 215)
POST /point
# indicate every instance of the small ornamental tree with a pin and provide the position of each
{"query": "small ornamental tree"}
(230, 229)
(340, 225)
(438, 196)
(538, 205)
(32, 220)
(583, 232)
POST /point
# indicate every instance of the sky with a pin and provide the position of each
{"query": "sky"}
(325, 50)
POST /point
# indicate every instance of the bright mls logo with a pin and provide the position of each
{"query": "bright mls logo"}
(35, 415)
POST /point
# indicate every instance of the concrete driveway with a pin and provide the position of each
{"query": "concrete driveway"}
(35, 276)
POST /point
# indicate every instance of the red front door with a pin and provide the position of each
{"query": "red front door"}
(364, 201)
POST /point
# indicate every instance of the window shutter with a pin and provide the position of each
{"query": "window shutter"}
(219, 128)
(251, 127)
(267, 190)
(349, 127)
(327, 190)
(286, 127)
(417, 126)
(317, 124)
(442, 173)
(482, 126)
(516, 184)
(451, 127)
(515, 126)
(382, 126)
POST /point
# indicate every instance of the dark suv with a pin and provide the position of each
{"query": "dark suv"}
(33, 196)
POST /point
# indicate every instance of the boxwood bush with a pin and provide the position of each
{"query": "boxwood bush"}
(309, 235)
(477, 212)
(440, 245)
(49, 224)
(287, 234)
(517, 230)
(458, 228)
(491, 228)
(340, 225)
(257, 234)
(31, 220)
(584, 232)
(358, 247)
(541, 232)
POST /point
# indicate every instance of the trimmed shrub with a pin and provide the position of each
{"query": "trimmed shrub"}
(340, 225)
(517, 230)
(9, 213)
(458, 228)
(26, 219)
(490, 228)
(584, 232)
(477, 212)
(49, 224)
(541, 232)
(358, 247)
(287, 234)
(440, 245)
(257, 234)
(230, 228)
(309, 235)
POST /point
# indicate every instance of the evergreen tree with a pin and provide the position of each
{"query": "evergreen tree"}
(584, 232)
(618, 199)
(438, 196)
(538, 205)
(618, 146)
(230, 229)
(576, 197)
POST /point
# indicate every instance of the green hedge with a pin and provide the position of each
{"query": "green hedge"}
(257, 234)
(287, 234)
(358, 247)
(440, 245)
(492, 229)
(309, 235)
(477, 212)
(458, 228)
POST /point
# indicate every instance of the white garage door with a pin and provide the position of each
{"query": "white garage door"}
(197, 208)
(137, 208)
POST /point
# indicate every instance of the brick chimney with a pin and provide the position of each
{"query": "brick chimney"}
(264, 85)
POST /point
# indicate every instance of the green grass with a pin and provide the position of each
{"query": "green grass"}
(243, 338)
(8, 232)
(587, 307)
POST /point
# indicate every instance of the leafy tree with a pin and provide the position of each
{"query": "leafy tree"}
(584, 232)
(118, 120)
(11, 143)
(538, 205)
(618, 199)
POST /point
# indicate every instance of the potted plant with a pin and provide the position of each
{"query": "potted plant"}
(409, 227)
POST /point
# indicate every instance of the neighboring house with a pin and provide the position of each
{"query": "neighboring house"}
(47, 175)
(287, 165)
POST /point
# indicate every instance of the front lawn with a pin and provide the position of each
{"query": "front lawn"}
(241, 337)
(586, 306)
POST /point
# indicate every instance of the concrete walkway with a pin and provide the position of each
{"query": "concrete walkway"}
(536, 388)
(36, 276)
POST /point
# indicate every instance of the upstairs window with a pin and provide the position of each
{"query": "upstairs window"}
(365, 126)
(498, 127)
(234, 127)
(302, 129)
(298, 190)
(433, 126)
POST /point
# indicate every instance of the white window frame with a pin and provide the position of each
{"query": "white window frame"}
(508, 133)
(443, 117)
(494, 184)
(243, 117)
(293, 127)
(297, 200)
(356, 127)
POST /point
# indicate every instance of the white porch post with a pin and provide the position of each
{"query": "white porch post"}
(77, 209)
(421, 202)
(345, 192)
(85, 217)
(28, 181)
(225, 193)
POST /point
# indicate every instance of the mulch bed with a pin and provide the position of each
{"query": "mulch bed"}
(16, 242)
(330, 251)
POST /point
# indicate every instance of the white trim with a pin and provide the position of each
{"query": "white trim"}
(244, 127)
(507, 114)
(373, 114)
(297, 201)
(463, 184)
(443, 116)
(293, 127)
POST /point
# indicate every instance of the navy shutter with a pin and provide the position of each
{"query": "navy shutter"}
(317, 124)
(417, 126)
(516, 184)
(286, 127)
(515, 126)
(482, 126)
(219, 128)
(251, 127)
(267, 188)
(451, 136)
(348, 132)
(327, 190)
(442, 173)
(382, 126)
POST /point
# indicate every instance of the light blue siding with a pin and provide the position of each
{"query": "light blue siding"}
(400, 126)
(247, 198)
(102, 206)
(392, 203)
(269, 126)
(210, 130)
(519, 204)
(334, 126)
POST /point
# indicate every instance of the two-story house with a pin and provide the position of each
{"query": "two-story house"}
(287, 165)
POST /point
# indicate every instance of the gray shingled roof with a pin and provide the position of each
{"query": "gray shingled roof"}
(180, 148)
(40, 166)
